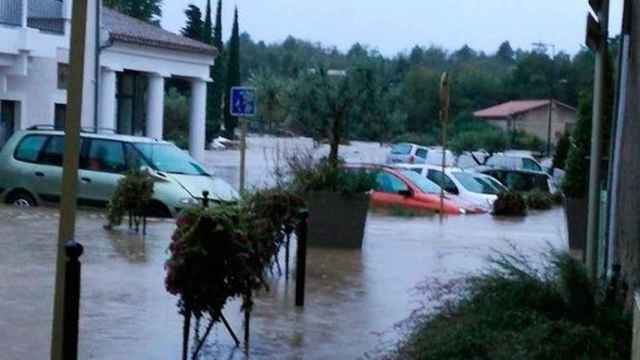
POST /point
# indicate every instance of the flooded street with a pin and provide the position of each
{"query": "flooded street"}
(353, 298)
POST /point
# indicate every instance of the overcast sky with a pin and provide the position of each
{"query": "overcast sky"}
(392, 26)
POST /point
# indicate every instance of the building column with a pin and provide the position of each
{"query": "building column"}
(155, 106)
(107, 116)
(197, 118)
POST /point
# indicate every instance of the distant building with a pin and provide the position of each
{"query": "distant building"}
(532, 117)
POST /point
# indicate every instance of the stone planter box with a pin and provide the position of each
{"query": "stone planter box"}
(577, 210)
(336, 220)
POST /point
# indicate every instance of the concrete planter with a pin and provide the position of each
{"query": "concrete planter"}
(576, 210)
(336, 220)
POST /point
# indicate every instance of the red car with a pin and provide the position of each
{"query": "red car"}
(407, 189)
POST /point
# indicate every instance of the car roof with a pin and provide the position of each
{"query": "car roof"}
(117, 137)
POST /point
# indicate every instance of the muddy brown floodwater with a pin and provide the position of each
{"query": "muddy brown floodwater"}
(353, 298)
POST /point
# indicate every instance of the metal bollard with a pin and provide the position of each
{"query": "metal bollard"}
(205, 199)
(301, 257)
(73, 251)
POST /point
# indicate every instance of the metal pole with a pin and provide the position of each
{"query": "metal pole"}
(243, 150)
(73, 251)
(444, 118)
(596, 144)
(301, 257)
(549, 127)
(66, 231)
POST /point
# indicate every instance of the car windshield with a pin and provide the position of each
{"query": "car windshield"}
(401, 149)
(474, 183)
(170, 159)
(424, 184)
(495, 183)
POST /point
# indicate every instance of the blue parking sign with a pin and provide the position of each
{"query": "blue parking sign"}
(243, 101)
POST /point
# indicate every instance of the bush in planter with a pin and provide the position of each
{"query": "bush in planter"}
(510, 203)
(131, 197)
(224, 252)
(539, 200)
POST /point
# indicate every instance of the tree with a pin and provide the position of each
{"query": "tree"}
(233, 75)
(194, 26)
(214, 89)
(505, 53)
(270, 91)
(145, 10)
(207, 28)
(562, 150)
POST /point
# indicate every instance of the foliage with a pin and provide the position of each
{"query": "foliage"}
(271, 93)
(194, 27)
(492, 140)
(176, 121)
(304, 175)
(233, 76)
(518, 309)
(215, 95)
(576, 180)
(510, 203)
(207, 25)
(539, 200)
(132, 196)
(145, 10)
(416, 138)
(562, 150)
(224, 252)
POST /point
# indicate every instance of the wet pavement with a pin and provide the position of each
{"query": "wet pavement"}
(354, 298)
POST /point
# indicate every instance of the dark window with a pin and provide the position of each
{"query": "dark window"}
(401, 149)
(29, 148)
(53, 150)
(134, 159)
(443, 181)
(390, 183)
(422, 153)
(63, 76)
(105, 156)
(60, 116)
(529, 164)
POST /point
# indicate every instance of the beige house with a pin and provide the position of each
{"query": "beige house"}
(532, 117)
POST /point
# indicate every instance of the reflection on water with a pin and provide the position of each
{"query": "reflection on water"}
(353, 298)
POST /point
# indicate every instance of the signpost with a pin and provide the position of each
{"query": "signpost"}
(243, 105)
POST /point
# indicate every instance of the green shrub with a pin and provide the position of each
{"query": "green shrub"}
(510, 203)
(562, 150)
(539, 200)
(518, 310)
(131, 197)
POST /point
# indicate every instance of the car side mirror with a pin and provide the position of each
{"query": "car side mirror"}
(405, 193)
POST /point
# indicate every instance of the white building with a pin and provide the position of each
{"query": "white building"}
(135, 59)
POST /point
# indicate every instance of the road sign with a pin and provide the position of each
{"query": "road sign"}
(243, 101)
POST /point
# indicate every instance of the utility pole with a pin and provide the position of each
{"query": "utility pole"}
(597, 36)
(444, 118)
(545, 46)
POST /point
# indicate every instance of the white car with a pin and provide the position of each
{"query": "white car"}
(468, 187)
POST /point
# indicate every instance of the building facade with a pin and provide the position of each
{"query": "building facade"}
(532, 117)
(134, 61)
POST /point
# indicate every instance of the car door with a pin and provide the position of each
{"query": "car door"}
(387, 191)
(47, 170)
(103, 165)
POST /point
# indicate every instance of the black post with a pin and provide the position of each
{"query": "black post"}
(286, 256)
(247, 320)
(73, 251)
(205, 199)
(301, 258)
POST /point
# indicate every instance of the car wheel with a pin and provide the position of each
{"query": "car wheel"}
(21, 199)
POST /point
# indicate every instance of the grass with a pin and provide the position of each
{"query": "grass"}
(517, 311)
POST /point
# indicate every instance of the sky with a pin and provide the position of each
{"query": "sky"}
(393, 26)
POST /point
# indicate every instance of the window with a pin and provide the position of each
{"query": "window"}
(63, 76)
(106, 156)
(474, 183)
(401, 149)
(390, 183)
(426, 185)
(529, 164)
(170, 159)
(60, 116)
(29, 148)
(421, 153)
(53, 150)
(443, 181)
(134, 159)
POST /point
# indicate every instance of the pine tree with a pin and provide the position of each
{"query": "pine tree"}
(207, 35)
(212, 116)
(193, 28)
(233, 75)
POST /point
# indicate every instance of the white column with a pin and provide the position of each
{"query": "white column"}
(25, 13)
(155, 106)
(197, 118)
(107, 116)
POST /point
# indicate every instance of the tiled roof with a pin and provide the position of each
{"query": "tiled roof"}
(513, 108)
(127, 29)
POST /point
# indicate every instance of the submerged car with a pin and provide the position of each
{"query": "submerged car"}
(469, 188)
(406, 153)
(522, 180)
(31, 171)
(406, 189)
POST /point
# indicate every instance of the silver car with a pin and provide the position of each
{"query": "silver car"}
(31, 171)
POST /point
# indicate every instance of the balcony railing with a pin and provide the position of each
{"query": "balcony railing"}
(44, 15)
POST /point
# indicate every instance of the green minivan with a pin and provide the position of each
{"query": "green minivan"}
(31, 171)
